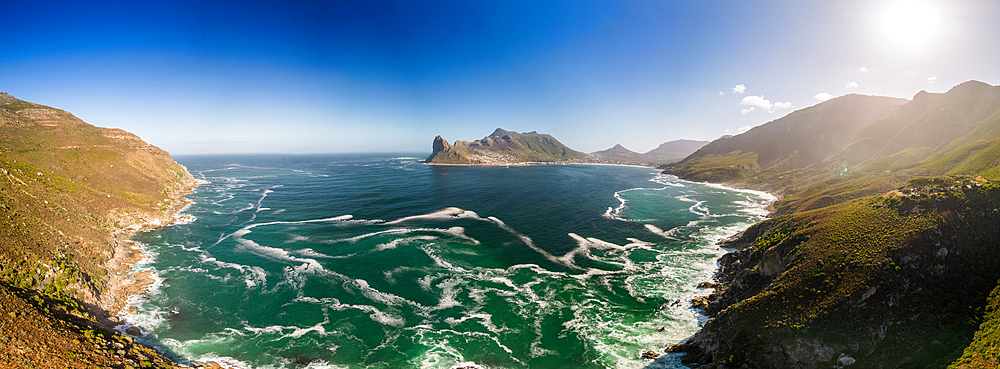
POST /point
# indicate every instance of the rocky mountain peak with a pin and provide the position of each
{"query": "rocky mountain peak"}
(500, 132)
(440, 144)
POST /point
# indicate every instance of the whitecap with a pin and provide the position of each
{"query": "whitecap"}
(531, 244)
(449, 213)
(313, 253)
(402, 241)
(659, 232)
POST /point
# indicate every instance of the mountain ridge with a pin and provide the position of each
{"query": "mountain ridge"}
(664, 153)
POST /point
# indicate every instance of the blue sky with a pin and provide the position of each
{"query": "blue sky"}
(375, 76)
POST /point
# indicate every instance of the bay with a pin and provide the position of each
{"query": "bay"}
(381, 261)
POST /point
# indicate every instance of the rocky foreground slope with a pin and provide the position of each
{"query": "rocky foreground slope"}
(884, 251)
(70, 196)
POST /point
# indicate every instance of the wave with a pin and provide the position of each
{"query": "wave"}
(659, 232)
(252, 275)
(373, 312)
(616, 212)
(450, 213)
(402, 241)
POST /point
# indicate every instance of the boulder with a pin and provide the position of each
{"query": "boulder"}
(133, 331)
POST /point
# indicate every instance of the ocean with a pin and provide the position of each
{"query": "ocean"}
(381, 261)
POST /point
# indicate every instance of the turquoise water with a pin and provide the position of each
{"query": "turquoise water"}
(377, 261)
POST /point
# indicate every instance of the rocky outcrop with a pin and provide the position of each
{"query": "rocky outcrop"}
(445, 153)
(440, 145)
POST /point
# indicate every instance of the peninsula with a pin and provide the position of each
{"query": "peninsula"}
(504, 148)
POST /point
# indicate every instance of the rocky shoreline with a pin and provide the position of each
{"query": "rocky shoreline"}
(124, 283)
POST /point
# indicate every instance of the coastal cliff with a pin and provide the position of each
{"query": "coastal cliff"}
(71, 195)
(444, 153)
(882, 251)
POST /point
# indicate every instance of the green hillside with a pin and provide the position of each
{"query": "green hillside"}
(882, 254)
(71, 194)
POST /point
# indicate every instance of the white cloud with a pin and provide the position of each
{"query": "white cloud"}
(739, 89)
(931, 80)
(764, 104)
(747, 110)
(863, 70)
(758, 101)
(745, 128)
(852, 85)
(823, 96)
(722, 93)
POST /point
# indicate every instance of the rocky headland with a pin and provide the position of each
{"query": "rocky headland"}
(503, 148)
(72, 195)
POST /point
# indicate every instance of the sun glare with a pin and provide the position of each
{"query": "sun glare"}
(910, 23)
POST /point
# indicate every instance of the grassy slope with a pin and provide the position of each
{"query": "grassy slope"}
(849, 266)
(893, 281)
(984, 352)
(65, 188)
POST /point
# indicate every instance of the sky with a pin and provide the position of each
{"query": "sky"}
(207, 77)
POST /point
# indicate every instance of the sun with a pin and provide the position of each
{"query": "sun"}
(910, 23)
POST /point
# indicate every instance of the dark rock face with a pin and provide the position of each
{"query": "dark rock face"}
(133, 331)
(445, 153)
(440, 145)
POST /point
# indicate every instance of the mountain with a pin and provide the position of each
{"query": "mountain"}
(620, 154)
(502, 148)
(666, 152)
(951, 133)
(71, 194)
(797, 140)
(882, 251)
(674, 150)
